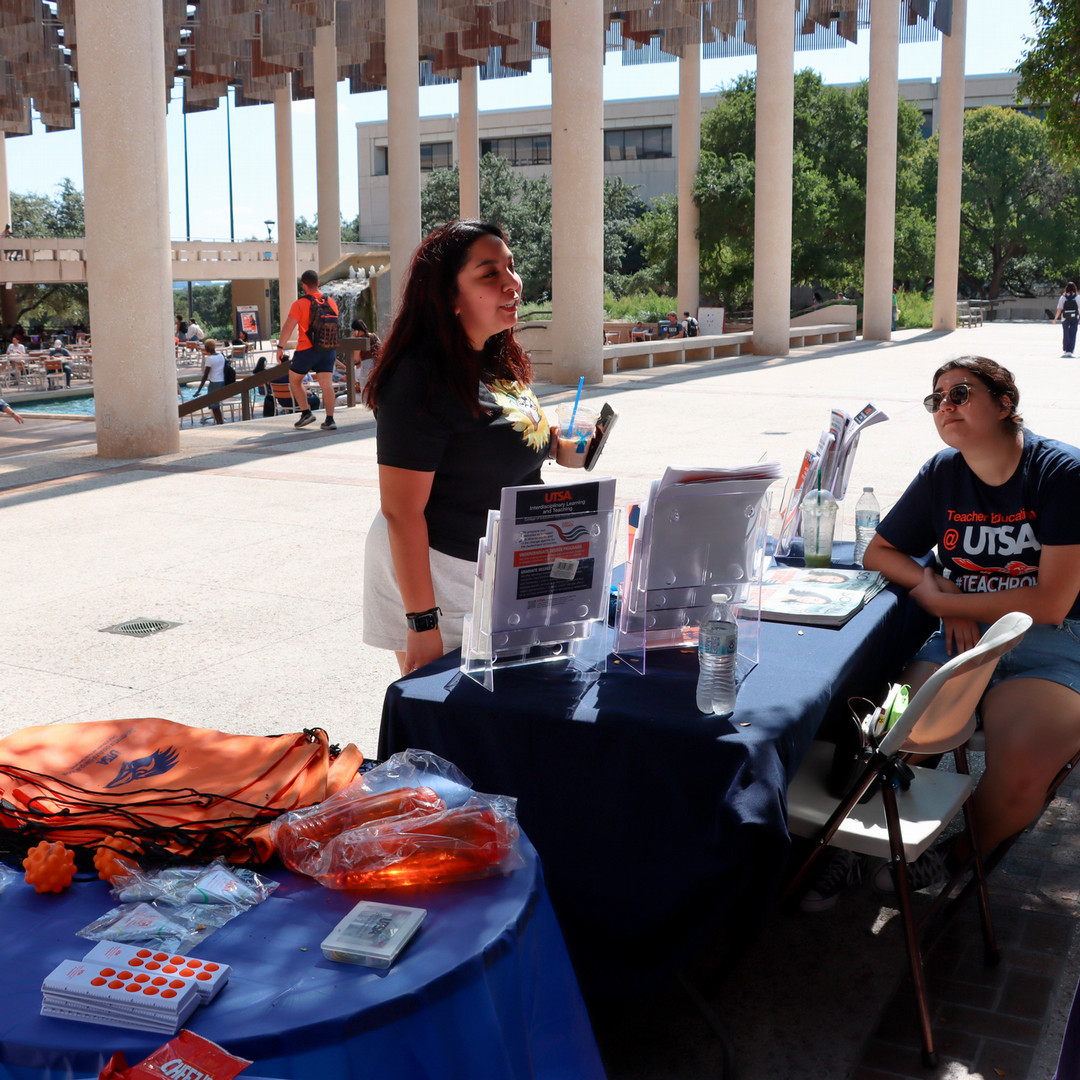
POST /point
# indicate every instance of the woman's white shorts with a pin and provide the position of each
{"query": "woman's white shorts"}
(384, 611)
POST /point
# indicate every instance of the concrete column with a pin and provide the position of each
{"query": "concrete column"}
(576, 332)
(881, 170)
(774, 153)
(950, 168)
(468, 144)
(328, 189)
(128, 253)
(8, 306)
(403, 151)
(5, 191)
(286, 210)
(689, 151)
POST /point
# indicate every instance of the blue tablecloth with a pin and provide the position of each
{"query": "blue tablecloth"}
(652, 820)
(485, 989)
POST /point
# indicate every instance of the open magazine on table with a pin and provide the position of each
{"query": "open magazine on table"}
(811, 596)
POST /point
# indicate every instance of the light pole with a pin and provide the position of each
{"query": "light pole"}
(270, 302)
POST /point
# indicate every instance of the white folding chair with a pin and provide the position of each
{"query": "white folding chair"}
(901, 824)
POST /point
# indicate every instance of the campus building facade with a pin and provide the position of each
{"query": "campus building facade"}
(640, 141)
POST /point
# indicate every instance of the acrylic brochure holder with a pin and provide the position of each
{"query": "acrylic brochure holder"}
(694, 540)
(543, 581)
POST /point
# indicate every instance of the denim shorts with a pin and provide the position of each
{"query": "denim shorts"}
(1046, 652)
(316, 360)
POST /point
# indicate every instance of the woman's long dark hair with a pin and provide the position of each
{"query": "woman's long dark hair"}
(426, 324)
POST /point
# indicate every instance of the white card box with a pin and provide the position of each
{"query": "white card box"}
(372, 934)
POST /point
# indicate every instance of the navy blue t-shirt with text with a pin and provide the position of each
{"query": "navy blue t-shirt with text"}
(989, 538)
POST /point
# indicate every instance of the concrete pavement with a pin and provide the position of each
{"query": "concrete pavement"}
(251, 538)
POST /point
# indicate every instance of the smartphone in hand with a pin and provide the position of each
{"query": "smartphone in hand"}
(605, 422)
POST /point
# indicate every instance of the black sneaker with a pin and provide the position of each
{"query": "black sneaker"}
(927, 870)
(844, 868)
(306, 417)
(328, 424)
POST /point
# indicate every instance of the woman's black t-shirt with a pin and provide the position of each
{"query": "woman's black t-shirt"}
(473, 457)
(989, 538)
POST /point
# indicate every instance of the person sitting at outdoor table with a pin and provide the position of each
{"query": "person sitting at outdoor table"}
(639, 332)
(59, 350)
(17, 346)
(672, 328)
(214, 371)
(1000, 506)
(7, 410)
(194, 331)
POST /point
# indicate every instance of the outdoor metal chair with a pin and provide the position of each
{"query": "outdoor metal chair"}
(902, 824)
(283, 397)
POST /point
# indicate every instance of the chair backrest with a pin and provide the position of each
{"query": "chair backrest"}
(941, 716)
(282, 392)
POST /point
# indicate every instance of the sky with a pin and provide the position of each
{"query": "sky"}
(39, 162)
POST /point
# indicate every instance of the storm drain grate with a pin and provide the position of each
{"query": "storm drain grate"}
(139, 627)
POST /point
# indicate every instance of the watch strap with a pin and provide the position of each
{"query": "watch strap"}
(422, 621)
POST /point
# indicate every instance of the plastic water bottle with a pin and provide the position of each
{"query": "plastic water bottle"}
(867, 517)
(718, 644)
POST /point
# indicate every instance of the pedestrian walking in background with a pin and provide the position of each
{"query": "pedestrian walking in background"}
(1068, 311)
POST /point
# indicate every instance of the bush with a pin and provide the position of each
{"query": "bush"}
(916, 310)
(648, 307)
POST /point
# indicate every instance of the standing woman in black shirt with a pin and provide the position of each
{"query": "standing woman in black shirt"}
(456, 422)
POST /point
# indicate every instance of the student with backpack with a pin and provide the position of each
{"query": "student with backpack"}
(314, 316)
(690, 324)
(1068, 311)
(214, 374)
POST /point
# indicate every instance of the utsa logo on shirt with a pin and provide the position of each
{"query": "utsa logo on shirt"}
(997, 553)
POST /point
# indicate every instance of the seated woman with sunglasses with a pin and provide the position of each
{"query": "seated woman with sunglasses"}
(1001, 506)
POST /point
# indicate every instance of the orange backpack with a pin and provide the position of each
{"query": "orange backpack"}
(176, 790)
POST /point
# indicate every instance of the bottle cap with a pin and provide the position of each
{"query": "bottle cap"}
(721, 597)
(868, 489)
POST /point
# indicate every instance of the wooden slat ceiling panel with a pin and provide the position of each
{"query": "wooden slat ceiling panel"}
(259, 46)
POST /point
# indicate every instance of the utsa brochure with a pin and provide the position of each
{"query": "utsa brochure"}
(552, 545)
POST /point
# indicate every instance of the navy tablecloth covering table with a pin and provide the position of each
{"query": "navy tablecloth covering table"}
(653, 821)
(485, 989)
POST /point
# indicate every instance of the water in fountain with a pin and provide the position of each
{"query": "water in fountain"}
(347, 292)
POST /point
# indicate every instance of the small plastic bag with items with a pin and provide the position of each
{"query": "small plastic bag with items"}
(412, 821)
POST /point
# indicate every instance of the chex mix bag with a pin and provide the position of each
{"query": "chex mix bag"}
(178, 792)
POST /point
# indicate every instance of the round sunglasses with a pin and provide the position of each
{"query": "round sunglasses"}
(957, 394)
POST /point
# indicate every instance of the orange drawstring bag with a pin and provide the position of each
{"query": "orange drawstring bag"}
(180, 791)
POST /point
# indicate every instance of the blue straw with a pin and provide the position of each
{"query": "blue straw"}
(577, 399)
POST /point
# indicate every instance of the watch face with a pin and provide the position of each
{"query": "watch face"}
(427, 621)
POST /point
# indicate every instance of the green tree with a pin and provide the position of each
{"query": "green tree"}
(212, 307)
(1050, 73)
(1018, 207)
(521, 207)
(829, 192)
(34, 214)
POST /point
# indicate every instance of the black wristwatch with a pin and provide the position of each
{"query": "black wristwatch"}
(421, 621)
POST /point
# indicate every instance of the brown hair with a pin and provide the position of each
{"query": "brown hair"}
(426, 324)
(997, 378)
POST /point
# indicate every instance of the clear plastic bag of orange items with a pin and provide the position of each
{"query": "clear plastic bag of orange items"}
(412, 821)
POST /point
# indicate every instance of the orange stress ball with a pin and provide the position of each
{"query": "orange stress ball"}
(115, 857)
(49, 867)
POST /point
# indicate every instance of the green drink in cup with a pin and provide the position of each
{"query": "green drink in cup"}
(818, 525)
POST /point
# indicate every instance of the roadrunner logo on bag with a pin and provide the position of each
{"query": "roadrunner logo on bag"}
(322, 329)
